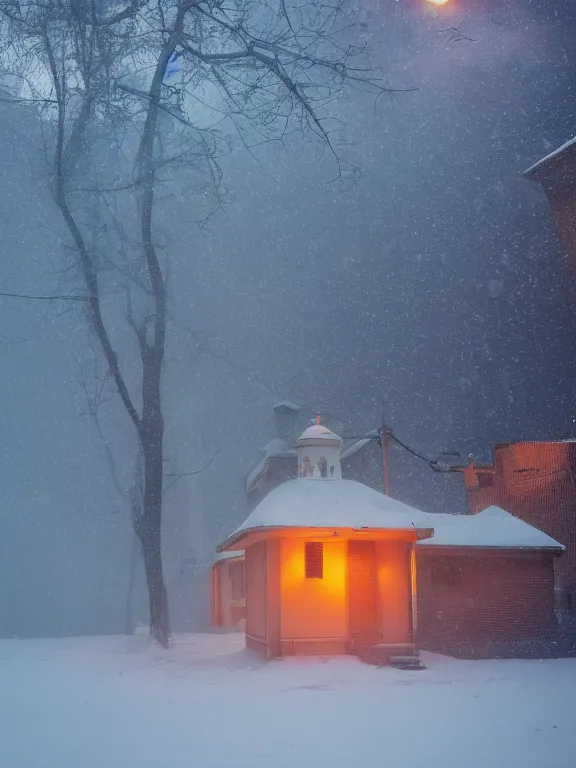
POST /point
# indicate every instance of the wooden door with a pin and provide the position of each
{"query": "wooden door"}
(363, 618)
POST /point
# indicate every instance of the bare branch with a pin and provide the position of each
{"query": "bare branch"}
(44, 298)
(179, 475)
(134, 97)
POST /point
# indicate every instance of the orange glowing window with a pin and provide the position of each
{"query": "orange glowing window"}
(314, 559)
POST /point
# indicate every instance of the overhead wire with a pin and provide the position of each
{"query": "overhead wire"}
(434, 465)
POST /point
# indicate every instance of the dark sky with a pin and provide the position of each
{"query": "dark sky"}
(437, 280)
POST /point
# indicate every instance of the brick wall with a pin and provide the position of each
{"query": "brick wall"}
(536, 482)
(483, 495)
(563, 206)
(278, 470)
(538, 485)
(483, 603)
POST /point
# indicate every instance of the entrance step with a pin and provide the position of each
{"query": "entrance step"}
(406, 662)
(384, 655)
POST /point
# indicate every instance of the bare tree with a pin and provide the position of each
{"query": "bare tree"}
(158, 87)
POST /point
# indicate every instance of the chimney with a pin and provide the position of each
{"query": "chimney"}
(286, 415)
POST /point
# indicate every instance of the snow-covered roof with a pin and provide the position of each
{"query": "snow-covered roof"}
(331, 503)
(311, 503)
(550, 158)
(492, 528)
(287, 404)
(255, 475)
(276, 448)
(319, 432)
(357, 445)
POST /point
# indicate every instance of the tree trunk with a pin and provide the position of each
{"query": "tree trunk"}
(158, 599)
(149, 527)
(129, 625)
(150, 533)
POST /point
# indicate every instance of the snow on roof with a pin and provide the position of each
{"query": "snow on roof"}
(276, 448)
(550, 158)
(347, 504)
(330, 504)
(357, 445)
(255, 475)
(319, 432)
(494, 527)
(287, 404)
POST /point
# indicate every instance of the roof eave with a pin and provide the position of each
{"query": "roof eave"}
(551, 162)
(417, 534)
(552, 550)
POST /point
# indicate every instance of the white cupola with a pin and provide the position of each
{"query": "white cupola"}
(318, 451)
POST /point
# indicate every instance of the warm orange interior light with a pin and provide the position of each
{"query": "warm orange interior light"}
(438, 2)
(332, 583)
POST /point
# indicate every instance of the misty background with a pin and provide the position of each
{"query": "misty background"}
(434, 283)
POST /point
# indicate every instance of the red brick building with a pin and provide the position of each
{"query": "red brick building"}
(484, 582)
(557, 174)
(488, 601)
(486, 586)
(536, 482)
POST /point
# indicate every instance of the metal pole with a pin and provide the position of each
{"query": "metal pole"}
(383, 439)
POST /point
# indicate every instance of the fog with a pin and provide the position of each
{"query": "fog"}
(433, 283)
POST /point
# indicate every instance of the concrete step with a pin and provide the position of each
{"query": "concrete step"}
(406, 662)
(382, 655)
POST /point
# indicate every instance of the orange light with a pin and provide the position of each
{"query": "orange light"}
(437, 2)
(332, 583)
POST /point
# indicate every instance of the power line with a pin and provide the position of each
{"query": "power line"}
(432, 464)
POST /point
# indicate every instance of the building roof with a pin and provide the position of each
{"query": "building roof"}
(276, 448)
(286, 405)
(357, 445)
(546, 162)
(319, 432)
(492, 528)
(307, 503)
(230, 555)
(316, 503)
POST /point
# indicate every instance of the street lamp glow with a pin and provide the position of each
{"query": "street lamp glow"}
(437, 2)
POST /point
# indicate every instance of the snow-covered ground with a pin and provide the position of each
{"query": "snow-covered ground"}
(118, 702)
